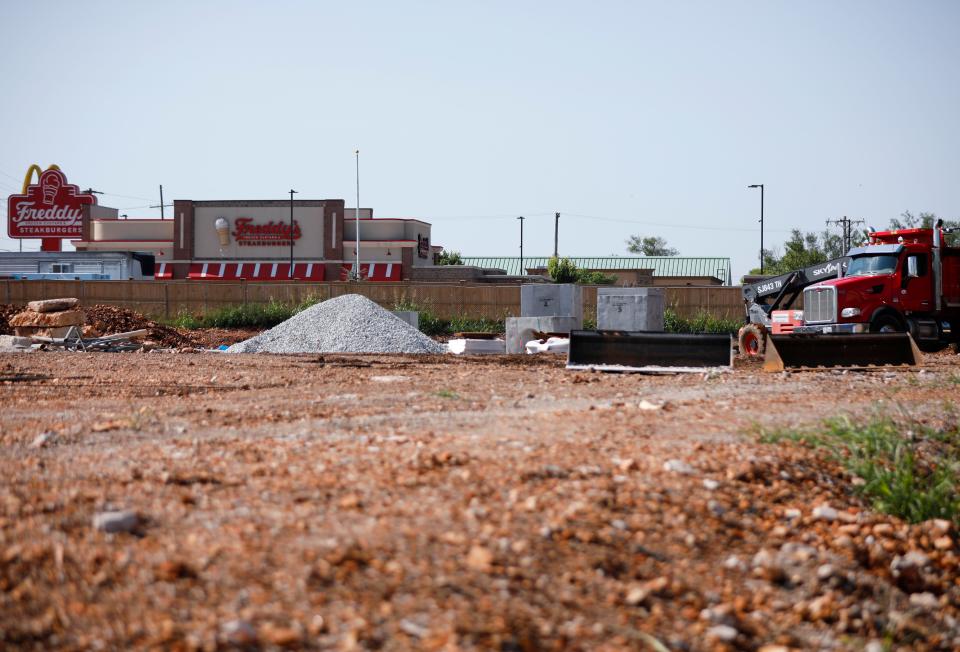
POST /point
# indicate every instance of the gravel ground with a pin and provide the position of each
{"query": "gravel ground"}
(333, 502)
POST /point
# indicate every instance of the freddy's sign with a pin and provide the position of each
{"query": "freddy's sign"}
(50, 208)
(248, 233)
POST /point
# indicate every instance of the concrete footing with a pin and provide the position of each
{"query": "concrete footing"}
(520, 330)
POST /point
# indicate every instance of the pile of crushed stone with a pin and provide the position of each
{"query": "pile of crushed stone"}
(348, 324)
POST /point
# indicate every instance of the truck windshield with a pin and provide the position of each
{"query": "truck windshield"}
(872, 265)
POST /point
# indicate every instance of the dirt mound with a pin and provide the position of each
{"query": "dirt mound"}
(111, 319)
(6, 312)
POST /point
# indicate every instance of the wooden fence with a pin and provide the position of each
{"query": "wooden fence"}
(167, 299)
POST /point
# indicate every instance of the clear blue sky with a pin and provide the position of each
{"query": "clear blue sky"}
(627, 117)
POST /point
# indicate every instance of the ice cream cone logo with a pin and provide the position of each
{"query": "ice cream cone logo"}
(50, 186)
(223, 230)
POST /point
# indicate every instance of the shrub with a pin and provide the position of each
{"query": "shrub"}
(449, 258)
(564, 270)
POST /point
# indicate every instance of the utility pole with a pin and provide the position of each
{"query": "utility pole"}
(521, 218)
(161, 205)
(292, 193)
(847, 225)
(556, 231)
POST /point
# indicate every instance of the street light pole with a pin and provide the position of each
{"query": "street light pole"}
(292, 193)
(521, 218)
(356, 221)
(760, 186)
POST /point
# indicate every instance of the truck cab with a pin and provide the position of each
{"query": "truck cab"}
(900, 281)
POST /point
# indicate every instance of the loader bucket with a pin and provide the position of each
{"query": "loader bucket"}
(855, 351)
(648, 351)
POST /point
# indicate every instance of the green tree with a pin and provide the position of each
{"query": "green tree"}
(449, 258)
(564, 270)
(651, 246)
(805, 249)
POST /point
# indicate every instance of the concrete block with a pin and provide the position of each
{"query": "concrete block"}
(14, 343)
(520, 330)
(630, 309)
(412, 317)
(53, 305)
(551, 300)
(47, 319)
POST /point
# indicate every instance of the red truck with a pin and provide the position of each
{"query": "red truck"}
(905, 280)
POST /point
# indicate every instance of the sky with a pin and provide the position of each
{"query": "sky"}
(632, 117)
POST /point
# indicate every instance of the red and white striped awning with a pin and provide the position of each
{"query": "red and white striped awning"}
(163, 272)
(374, 271)
(255, 271)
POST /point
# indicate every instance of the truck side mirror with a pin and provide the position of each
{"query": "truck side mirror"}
(912, 271)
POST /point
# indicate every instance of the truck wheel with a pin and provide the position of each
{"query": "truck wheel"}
(887, 323)
(752, 339)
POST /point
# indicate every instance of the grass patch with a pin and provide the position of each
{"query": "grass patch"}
(430, 324)
(251, 315)
(908, 469)
(703, 322)
(446, 393)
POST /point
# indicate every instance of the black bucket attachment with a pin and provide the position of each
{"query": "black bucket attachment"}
(855, 351)
(648, 351)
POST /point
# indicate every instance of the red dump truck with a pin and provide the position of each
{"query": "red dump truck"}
(905, 280)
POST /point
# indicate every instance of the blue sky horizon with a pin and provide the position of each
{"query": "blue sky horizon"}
(626, 117)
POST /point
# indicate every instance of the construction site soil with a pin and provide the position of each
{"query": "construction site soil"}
(200, 501)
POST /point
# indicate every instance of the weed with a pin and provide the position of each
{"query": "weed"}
(430, 324)
(908, 469)
(446, 393)
(702, 322)
(250, 315)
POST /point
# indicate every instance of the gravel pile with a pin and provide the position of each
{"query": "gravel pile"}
(348, 324)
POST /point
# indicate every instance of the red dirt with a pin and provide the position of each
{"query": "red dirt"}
(437, 503)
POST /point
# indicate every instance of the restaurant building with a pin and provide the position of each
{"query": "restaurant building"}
(258, 239)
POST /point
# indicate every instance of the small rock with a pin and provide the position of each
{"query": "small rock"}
(940, 526)
(637, 595)
(924, 600)
(710, 485)
(943, 543)
(825, 572)
(239, 633)
(792, 514)
(724, 633)
(42, 440)
(773, 648)
(907, 570)
(824, 513)
(734, 563)
(874, 646)
(479, 559)
(678, 466)
(112, 522)
(407, 626)
(627, 465)
(280, 636)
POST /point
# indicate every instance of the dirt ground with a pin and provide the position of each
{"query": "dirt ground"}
(331, 502)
